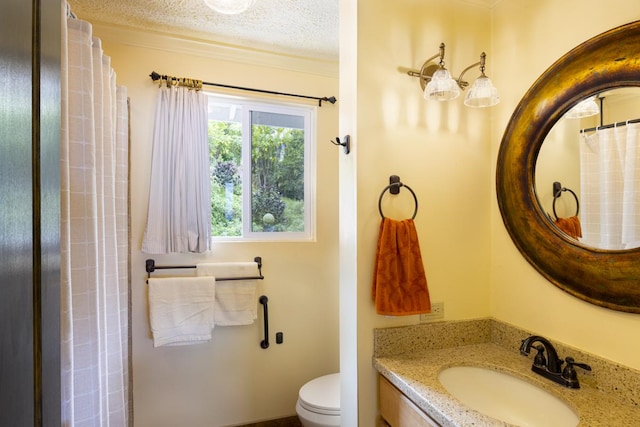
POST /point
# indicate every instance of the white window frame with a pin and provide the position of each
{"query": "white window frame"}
(310, 114)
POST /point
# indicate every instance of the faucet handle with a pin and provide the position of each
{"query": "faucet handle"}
(539, 359)
(571, 362)
(569, 372)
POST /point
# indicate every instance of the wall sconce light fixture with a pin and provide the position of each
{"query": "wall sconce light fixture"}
(585, 108)
(230, 7)
(437, 83)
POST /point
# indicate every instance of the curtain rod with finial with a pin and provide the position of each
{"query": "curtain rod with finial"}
(155, 76)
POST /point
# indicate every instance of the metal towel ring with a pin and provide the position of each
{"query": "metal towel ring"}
(393, 186)
(558, 194)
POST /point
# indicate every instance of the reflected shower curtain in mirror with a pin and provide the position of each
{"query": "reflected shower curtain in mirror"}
(179, 212)
(610, 187)
(94, 235)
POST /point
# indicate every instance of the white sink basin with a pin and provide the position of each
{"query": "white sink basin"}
(506, 398)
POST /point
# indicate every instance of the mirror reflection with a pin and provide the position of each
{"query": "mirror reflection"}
(587, 176)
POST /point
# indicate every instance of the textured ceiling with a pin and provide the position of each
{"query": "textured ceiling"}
(307, 28)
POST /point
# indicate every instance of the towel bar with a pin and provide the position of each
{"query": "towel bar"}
(394, 188)
(151, 266)
(557, 192)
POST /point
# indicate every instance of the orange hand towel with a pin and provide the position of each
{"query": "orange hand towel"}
(399, 281)
(571, 226)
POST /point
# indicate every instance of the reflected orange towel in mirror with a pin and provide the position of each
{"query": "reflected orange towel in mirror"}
(571, 226)
(399, 281)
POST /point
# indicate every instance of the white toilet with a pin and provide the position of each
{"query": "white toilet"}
(319, 402)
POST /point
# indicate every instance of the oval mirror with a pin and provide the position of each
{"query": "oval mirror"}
(606, 277)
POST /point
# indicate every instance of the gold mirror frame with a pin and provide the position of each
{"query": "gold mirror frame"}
(606, 278)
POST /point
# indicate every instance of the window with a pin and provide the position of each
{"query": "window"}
(262, 160)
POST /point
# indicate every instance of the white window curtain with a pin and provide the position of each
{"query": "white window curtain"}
(179, 213)
(610, 187)
(94, 235)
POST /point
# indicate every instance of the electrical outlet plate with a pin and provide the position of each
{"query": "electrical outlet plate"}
(437, 313)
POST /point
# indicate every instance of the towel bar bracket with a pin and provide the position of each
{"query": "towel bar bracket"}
(150, 265)
(394, 184)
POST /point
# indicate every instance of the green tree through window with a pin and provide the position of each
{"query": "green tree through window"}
(277, 149)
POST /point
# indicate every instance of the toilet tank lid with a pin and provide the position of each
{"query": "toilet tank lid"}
(322, 392)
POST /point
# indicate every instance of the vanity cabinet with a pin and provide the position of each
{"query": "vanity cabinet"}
(397, 410)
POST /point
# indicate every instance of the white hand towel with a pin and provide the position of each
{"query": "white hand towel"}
(181, 310)
(236, 301)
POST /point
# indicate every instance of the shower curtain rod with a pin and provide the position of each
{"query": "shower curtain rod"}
(611, 125)
(332, 99)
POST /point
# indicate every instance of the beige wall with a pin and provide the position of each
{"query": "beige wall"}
(447, 154)
(232, 380)
(524, 47)
(350, 310)
(440, 150)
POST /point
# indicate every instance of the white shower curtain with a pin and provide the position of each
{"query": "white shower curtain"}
(179, 212)
(94, 235)
(610, 187)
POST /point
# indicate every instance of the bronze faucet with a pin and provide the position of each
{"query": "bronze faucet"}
(550, 367)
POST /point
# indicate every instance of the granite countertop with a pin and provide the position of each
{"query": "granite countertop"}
(416, 375)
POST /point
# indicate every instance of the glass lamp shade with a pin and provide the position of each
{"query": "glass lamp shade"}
(229, 7)
(584, 108)
(482, 93)
(441, 87)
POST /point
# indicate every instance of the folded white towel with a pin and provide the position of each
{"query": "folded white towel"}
(181, 310)
(236, 301)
